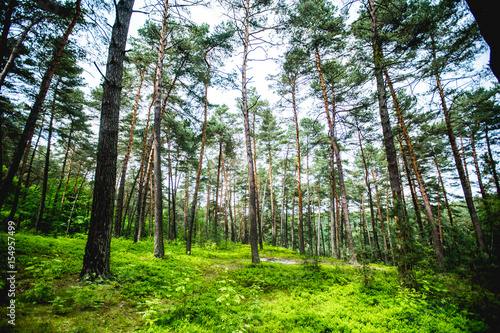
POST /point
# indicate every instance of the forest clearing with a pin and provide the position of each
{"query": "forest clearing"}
(249, 166)
(218, 289)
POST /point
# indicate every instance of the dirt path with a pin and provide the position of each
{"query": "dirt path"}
(326, 262)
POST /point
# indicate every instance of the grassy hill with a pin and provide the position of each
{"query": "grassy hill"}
(217, 289)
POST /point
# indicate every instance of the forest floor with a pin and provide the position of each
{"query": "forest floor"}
(217, 289)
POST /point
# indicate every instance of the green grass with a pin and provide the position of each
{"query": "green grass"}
(217, 289)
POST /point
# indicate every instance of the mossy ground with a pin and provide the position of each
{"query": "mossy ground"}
(217, 289)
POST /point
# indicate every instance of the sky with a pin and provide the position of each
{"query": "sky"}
(199, 15)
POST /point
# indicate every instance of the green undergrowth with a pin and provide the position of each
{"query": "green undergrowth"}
(217, 289)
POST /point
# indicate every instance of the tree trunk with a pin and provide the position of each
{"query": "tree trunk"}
(61, 177)
(142, 173)
(127, 204)
(438, 247)
(159, 250)
(450, 216)
(74, 202)
(333, 219)
(286, 223)
(370, 199)
(343, 194)
(186, 201)
(461, 171)
(263, 202)
(414, 198)
(216, 208)
(476, 164)
(35, 150)
(252, 199)
(293, 223)
(97, 251)
(283, 198)
(492, 162)
(379, 210)
(207, 214)
(15, 203)
(318, 253)
(365, 221)
(228, 200)
(233, 219)
(121, 188)
(403, 234)
(257, 187)
(200, 162)
(464, 161)
(66, 183)
(273, 213)
(299, 189)
(388, 226)
(439, 217)
(41, 208)
(141, 220)
(309, 221)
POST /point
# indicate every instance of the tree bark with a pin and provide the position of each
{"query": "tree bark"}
(403, 234)
(252, 200)
(333, 219)
(97, 251)
(159, 250)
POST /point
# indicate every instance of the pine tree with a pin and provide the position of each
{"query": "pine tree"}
(97, 250)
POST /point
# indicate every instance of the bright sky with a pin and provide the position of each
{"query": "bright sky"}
(212, 16)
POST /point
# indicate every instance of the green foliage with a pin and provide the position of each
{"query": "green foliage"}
(44, 272)
(217, 289)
